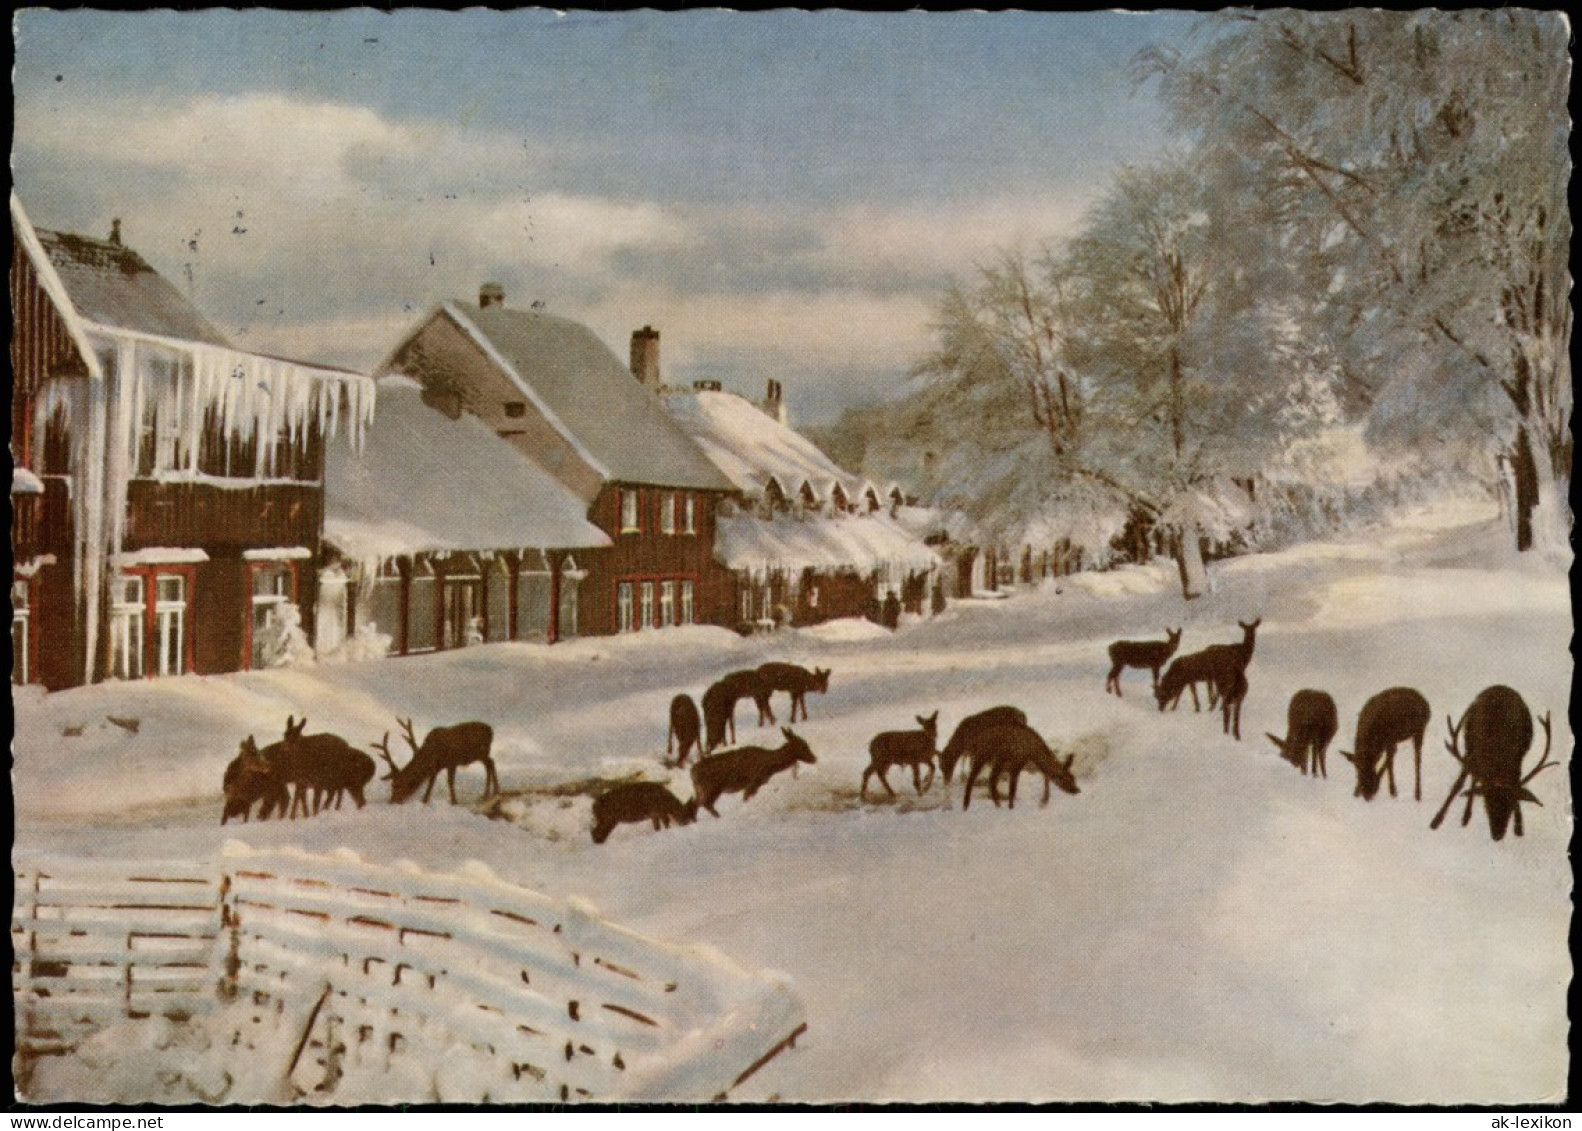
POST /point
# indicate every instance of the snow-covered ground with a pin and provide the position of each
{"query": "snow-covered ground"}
(1202, 922)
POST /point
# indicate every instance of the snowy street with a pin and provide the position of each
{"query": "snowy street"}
(1202, 922)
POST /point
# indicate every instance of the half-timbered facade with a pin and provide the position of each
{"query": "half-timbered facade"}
(553, 389)
(169, 496)
(438, 534)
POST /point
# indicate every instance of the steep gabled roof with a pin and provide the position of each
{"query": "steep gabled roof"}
(752, 448)
(563, 367)
(426, 483)
(115, 287)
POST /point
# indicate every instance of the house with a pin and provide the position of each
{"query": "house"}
(806, 540)
(552, 388)
(439, 534)
(168, 492)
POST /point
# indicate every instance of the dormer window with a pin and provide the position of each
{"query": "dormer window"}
(775, 496)
(630, 515)
(515, 410)
(838, 496)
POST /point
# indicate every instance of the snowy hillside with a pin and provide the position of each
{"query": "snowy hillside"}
(1201, 922)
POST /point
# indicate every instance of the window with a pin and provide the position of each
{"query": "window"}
(21, 637)
(747, 603)
(516, 409)
(667, 513)
(630, 523)
(624, 597)
(667, 603)
(691, 514)
(688, 604)
(127, 610)
(648, 605)
(274, 587)
(170, 623)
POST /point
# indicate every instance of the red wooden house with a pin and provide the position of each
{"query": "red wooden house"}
(563, 398)
(169, 495)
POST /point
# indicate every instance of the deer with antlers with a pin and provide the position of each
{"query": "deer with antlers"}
(1498, 731)
(444, 748)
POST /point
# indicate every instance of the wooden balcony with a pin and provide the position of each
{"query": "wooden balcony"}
(223, 518)
(41, 524)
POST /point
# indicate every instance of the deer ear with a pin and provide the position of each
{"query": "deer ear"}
(1349, 756)
(1527, 795)
(787, 732)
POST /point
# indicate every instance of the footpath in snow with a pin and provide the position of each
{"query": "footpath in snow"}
(1201, 922)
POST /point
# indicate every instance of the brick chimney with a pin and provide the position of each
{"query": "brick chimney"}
(774, 401)
(115, 231)
(645, 357)
(491, 294)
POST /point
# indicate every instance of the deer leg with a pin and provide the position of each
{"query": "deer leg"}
(450, 774)
(1516, 817)
(1192, 687)
(494, 776)
(930, 784)
(1417, 766)
(427, 793)
(1466, 814)
(1389, 768)
(1016, 776)
(1045, 801)
(884, 781)
(972, 776)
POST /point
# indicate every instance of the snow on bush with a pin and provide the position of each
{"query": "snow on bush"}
(285, 643)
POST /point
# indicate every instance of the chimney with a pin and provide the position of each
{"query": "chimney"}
(115, 231)
(706, 386)
(491, 294)
(774, 401)
(645, 357)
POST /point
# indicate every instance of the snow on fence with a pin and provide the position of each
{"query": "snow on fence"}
(386, 971)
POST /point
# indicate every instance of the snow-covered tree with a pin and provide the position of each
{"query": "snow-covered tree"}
(1408, 172)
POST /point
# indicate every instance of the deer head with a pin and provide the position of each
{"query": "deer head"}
(930, 725)
(797, 746)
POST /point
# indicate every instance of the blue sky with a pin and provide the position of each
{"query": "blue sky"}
(783, 194)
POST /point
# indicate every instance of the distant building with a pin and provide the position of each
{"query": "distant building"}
(806, 540)
(168, 493)
(438, 534)
(563, 399)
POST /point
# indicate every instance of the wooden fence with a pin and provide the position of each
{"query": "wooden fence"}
(387, 969)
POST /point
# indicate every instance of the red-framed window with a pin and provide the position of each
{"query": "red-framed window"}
(24, 630)
(270, 586)
(151, 626)
(631, 517)
(655, 602)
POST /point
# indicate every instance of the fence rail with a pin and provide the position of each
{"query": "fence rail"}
(400, 967)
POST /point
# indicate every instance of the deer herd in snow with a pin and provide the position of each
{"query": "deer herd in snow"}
(309, 773)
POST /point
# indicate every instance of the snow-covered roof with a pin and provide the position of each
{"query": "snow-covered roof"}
(24, 482)
(579, 385)
(426, 483)
(114, 286)
(751, 447)
(863, 542)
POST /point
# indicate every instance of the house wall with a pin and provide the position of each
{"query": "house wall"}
(651, 555)
(41, 348)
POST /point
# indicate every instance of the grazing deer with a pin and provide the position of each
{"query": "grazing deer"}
(913, 748)
(1009, 750)
(969, 728)
(1498, 730)
(1388, 719)
(685, 726)
(1184, 674)
(1227, 657)
(1231, 685)
(639, 801)
(1310, 725)
(719, 705)
(1150, 654)
(318, 766)
(745, 770)
(248, 778)
(444, 748)
(797, 680)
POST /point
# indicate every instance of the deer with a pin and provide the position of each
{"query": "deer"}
(719, 705)
(914, 748)
(1231, 685)
(250, 778)
(1150, 654)
(969, 728)
(1009, 750)
(1224, 657)
(1310, 725)
(321, 765)
(444, 748)
(1184, 674)
(1388, 719)
(1498, 731)
(633, 802)
(745, 770)
(796, 680)
(685, 727)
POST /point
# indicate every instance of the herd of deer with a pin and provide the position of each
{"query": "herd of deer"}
(1497, 728)
(312, 772)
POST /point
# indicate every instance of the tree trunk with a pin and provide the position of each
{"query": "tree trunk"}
(1524, 472)
(1189, 560)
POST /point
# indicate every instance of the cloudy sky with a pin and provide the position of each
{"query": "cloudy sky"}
(782, 194)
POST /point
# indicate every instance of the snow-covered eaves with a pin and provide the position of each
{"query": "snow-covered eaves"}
(24, 482)
(277, 554)
(752, 448)
(860, 542)
(159, 555)
(22, 228)
(32, 565)
(425, 483)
